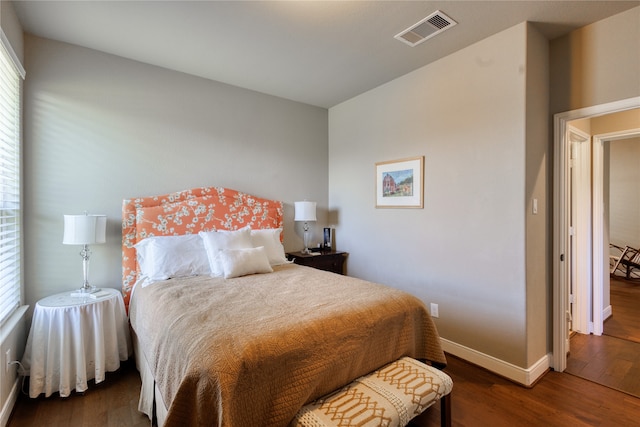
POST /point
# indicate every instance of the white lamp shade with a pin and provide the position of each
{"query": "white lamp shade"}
(305, 211)
(84, 229)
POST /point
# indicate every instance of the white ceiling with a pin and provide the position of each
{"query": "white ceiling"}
(317, 52)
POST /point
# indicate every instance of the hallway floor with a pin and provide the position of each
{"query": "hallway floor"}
(612, 359)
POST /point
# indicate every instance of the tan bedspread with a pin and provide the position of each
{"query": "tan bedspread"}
(251, 351)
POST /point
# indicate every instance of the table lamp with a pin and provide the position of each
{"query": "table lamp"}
(84, 230)
(305, 211)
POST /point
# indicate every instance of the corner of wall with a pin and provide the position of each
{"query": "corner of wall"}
(538, 193)
(523, 376)
(12, 29)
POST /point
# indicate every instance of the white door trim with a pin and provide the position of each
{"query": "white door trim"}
(598, 246)
(560, 222)
(581, 253)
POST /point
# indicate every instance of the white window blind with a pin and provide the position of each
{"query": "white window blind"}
(10, 210)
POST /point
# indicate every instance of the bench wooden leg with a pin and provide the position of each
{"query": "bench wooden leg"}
(445, 411)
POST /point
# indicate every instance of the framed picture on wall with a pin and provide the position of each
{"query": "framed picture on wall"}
(399, 183)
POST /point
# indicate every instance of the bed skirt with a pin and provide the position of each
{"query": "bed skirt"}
(149, 393)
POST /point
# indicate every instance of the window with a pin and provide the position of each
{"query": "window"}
(11, 74)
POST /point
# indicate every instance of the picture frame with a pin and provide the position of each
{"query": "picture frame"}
(399, 183)
(327, 238)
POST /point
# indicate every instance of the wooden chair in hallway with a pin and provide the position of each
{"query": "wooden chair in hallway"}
(628, 263)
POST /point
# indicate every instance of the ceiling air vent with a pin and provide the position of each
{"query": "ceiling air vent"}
(433, 24)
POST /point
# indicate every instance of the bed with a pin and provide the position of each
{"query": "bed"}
(239, 341)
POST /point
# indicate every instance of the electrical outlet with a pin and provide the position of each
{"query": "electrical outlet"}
(7, 361)
(434, 310)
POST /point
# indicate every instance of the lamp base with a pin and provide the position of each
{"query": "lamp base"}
(307, 239)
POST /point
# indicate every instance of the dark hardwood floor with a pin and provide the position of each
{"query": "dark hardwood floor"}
(480, 398)
(625, 300)
(612, 359)
(111, 403)
(609, 361)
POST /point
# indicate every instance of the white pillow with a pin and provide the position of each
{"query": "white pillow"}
(240, 262)
(215, 241)
(163, 257)
(270, 239)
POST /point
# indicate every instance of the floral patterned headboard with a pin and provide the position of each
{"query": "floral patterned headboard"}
(188, 212)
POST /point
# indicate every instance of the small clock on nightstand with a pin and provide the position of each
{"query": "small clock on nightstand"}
(328, 261)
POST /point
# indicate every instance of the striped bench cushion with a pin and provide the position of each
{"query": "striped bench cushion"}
(390, 396)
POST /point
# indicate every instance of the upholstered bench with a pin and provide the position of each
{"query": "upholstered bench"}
(390, 396)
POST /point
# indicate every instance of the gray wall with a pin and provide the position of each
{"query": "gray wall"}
(624, 192)
(466, 249)
(101, 128)
(596, 64)
(11, 27)
(538, 188)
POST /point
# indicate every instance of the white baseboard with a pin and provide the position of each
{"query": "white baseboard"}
(9, 403)
(523, 376)
(607, 312)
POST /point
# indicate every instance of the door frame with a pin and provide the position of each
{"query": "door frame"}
(600, 246)
(579, 252)
(561, 222)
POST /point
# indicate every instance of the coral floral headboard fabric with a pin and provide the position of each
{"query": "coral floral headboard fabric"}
(188, 212)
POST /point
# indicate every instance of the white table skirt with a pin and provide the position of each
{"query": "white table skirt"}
(75, 339)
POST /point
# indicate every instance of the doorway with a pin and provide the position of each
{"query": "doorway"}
(563, 256)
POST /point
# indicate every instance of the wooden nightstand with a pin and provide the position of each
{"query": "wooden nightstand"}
(328, 261)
